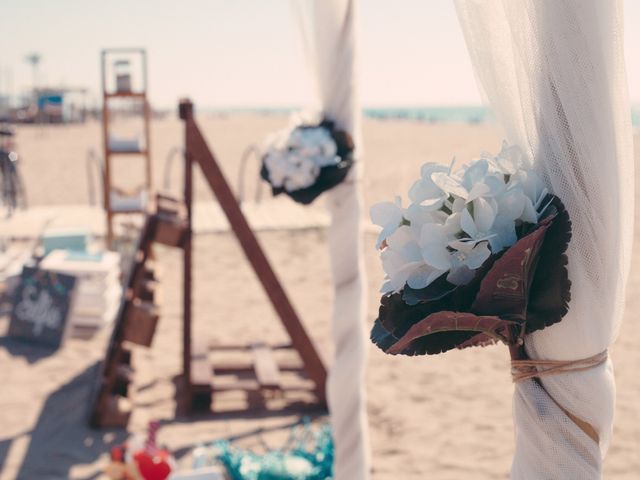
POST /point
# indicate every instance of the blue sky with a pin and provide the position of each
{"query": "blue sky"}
(245, 52)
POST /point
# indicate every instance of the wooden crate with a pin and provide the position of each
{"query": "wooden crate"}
(141, 321)
(171, 230)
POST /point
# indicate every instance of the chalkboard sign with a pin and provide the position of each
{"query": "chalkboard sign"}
(41, 304)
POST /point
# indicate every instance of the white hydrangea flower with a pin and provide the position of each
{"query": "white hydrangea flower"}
(425, 192)
(401, 259)
(466, 257)
(534, 189)
(443, 253)
(419, 215)
(434, 240)
(389, 216)
(472, 182)
(479, 224)
(509, 160)
(456, 219)
(278, 167)
(295, 156)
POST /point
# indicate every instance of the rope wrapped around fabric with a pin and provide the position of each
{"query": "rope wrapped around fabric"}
(526, 369)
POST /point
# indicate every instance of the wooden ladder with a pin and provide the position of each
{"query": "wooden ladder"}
(138, 315)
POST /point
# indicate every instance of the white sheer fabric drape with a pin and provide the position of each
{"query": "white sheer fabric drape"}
(553, 71)
(328, 33)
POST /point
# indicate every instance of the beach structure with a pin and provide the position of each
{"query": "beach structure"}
(121, 84)
(202, 381)
(47, 104)
(60, 105)
(170, 223)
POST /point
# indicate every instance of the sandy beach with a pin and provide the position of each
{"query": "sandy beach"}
(442, 418)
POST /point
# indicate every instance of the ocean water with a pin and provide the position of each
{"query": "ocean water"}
(444, 114)
(635, 116)
(470, 114)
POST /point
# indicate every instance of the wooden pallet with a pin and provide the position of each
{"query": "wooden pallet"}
(256, 376)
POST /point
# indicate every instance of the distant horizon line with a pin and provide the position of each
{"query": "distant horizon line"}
(635, 105)
(303, 107)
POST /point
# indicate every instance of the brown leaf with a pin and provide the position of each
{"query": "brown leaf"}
(417, 339)
(504, 290)
(550, 291)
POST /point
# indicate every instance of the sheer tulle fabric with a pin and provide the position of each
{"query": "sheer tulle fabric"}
(329, 39)
(553, 72)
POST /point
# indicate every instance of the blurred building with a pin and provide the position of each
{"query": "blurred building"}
(51, 105)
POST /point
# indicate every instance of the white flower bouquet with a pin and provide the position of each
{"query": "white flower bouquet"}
(478, 256)
(306, 160)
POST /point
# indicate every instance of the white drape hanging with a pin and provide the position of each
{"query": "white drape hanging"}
(553, 71)
(328, 33)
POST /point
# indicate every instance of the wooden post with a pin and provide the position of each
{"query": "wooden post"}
(186, 111)
(106, 178)
(147, 125)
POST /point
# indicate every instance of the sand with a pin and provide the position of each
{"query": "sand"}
(443, 418)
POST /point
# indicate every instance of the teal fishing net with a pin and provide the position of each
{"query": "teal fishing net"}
(307, 455)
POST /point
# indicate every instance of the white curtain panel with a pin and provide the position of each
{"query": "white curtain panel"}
(329, 37)
(553, 72)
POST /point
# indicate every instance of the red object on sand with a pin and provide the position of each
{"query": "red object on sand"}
(153, 465)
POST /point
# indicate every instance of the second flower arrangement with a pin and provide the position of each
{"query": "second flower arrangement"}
(306, 160)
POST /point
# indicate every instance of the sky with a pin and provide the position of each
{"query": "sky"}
(246, 53)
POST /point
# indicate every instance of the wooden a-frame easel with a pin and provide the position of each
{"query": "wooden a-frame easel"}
(201, 385)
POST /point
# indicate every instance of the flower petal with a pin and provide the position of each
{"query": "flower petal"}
(484, 213)
(475, 173)
(496, 184)
(452, 224)
(464, 246)
(434, 204)
(468, 224)
(478, 190)
(511, 204)
(428, 168)
(423, 276)
(385, 213)
(510, 158)
(433, 243)
(529, 213)
(477, 256)
(437, 256)
(449, 184)
(461, 275)
(504, 234)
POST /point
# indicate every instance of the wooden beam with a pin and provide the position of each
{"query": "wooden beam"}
(265, 366)
(200, 382)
